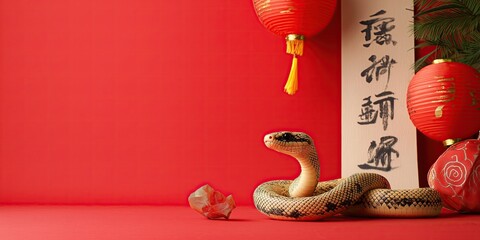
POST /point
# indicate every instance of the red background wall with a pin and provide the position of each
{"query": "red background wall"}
(141, 102)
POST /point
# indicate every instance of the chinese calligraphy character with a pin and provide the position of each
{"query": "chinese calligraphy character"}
(380, 156)
(380, 26)
(368, 114)
(378, 68)
(385, 108)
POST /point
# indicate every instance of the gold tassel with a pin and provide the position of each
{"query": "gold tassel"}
(292, 83)
(294, 47)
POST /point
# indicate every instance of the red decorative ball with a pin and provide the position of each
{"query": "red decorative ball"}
(456, 176)
(302, 17)
(443, 100)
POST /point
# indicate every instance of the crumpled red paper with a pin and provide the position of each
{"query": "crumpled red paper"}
(211, 203)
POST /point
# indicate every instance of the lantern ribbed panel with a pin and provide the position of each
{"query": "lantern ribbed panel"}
(303, 17)
(443, 101)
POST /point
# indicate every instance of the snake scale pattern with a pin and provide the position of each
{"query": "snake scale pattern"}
(362, 194)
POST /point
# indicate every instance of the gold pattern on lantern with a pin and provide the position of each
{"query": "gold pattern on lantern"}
(289, 10)
(474, 97)
(444, 79)
(266, 4)
(444, 99)
(439, 111)
(448, 91)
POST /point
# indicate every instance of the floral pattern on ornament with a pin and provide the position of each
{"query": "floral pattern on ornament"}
(455, 172)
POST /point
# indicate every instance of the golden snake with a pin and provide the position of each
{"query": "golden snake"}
(362, 194)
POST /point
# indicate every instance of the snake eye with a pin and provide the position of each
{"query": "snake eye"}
(286, 137)
(289, 137)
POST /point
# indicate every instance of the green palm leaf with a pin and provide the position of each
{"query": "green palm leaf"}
(452, 27)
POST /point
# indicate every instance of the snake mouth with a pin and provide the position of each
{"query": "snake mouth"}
(269, 139)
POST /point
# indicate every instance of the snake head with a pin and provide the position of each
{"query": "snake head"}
(290, 143)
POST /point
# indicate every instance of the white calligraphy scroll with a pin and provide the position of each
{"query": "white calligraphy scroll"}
(377, 60)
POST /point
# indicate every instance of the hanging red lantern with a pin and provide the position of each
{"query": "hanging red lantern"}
(443, 101)
(294, 20)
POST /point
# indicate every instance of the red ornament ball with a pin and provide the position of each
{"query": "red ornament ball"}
(456, 176)
(443, 100)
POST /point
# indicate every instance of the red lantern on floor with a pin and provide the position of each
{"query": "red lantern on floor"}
(443, 101)
(294, 20)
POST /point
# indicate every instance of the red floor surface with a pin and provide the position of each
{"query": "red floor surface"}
(153, 222)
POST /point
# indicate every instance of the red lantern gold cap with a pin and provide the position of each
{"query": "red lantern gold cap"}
(449, 142)
(441, 60)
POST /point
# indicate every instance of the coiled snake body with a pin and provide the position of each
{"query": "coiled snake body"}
(362, 194)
